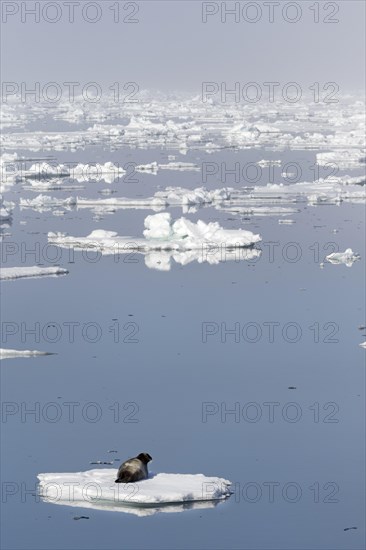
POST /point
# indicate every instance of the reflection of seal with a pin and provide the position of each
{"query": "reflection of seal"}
(134, 469)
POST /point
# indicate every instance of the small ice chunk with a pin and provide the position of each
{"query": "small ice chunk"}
(13, 353)
(9, 273)
(348, 257)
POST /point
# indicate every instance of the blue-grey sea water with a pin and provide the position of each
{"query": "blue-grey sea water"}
(246, 370)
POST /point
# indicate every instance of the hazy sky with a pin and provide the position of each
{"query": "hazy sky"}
(170, 48)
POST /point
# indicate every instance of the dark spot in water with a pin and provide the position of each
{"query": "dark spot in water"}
(292, 387)
(349, 528)
(81, 517)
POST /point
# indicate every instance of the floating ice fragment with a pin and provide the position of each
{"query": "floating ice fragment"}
(347, 257)
(97, 489)
(43, 203)
(13, 353)
(9, 273)
(182, 240)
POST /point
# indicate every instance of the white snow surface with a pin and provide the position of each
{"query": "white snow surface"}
(13, 353)
(45, 202)
(97, 488)
(171, 196)
(161, 233)
(9, 273)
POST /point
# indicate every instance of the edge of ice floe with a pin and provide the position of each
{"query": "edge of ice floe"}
(158, 490)
(14, 353)
(12, 273)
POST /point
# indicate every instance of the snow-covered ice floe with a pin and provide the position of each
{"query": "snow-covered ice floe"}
(14, 353)
(171, 196)
(343, 159)
(9, 273)
(183, 124)
(322, 191)
(265, 200)
(107, 172)
(42, 203)
(347, 257)
(182, 240)
(162, 492)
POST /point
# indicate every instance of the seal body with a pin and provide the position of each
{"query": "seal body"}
(134, 469)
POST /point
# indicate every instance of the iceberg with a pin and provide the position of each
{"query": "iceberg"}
(96, 489)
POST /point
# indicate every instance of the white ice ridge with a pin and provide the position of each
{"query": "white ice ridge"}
(249, 201)
(97, 489)
(343, 159)
(9, 273)
(14, 353)
(171, 196)
(162, 234)
(323, 191)
(45, 202)
(347, 257)
(187, 123)
(107, 171)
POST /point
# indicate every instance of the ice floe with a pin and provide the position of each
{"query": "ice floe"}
(14, 353)
(162, 492)
(348, 257)
(165, 239)
(185, 123)
(343, 159)
(171, 196)
(256, 201)
(45, 202)
(161, 233)
(9, 273)
(328, 190)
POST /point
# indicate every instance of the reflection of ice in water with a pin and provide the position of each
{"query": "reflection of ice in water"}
(95, 489)
(162, 260)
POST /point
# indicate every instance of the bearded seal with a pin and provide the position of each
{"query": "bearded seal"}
(134, 469)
